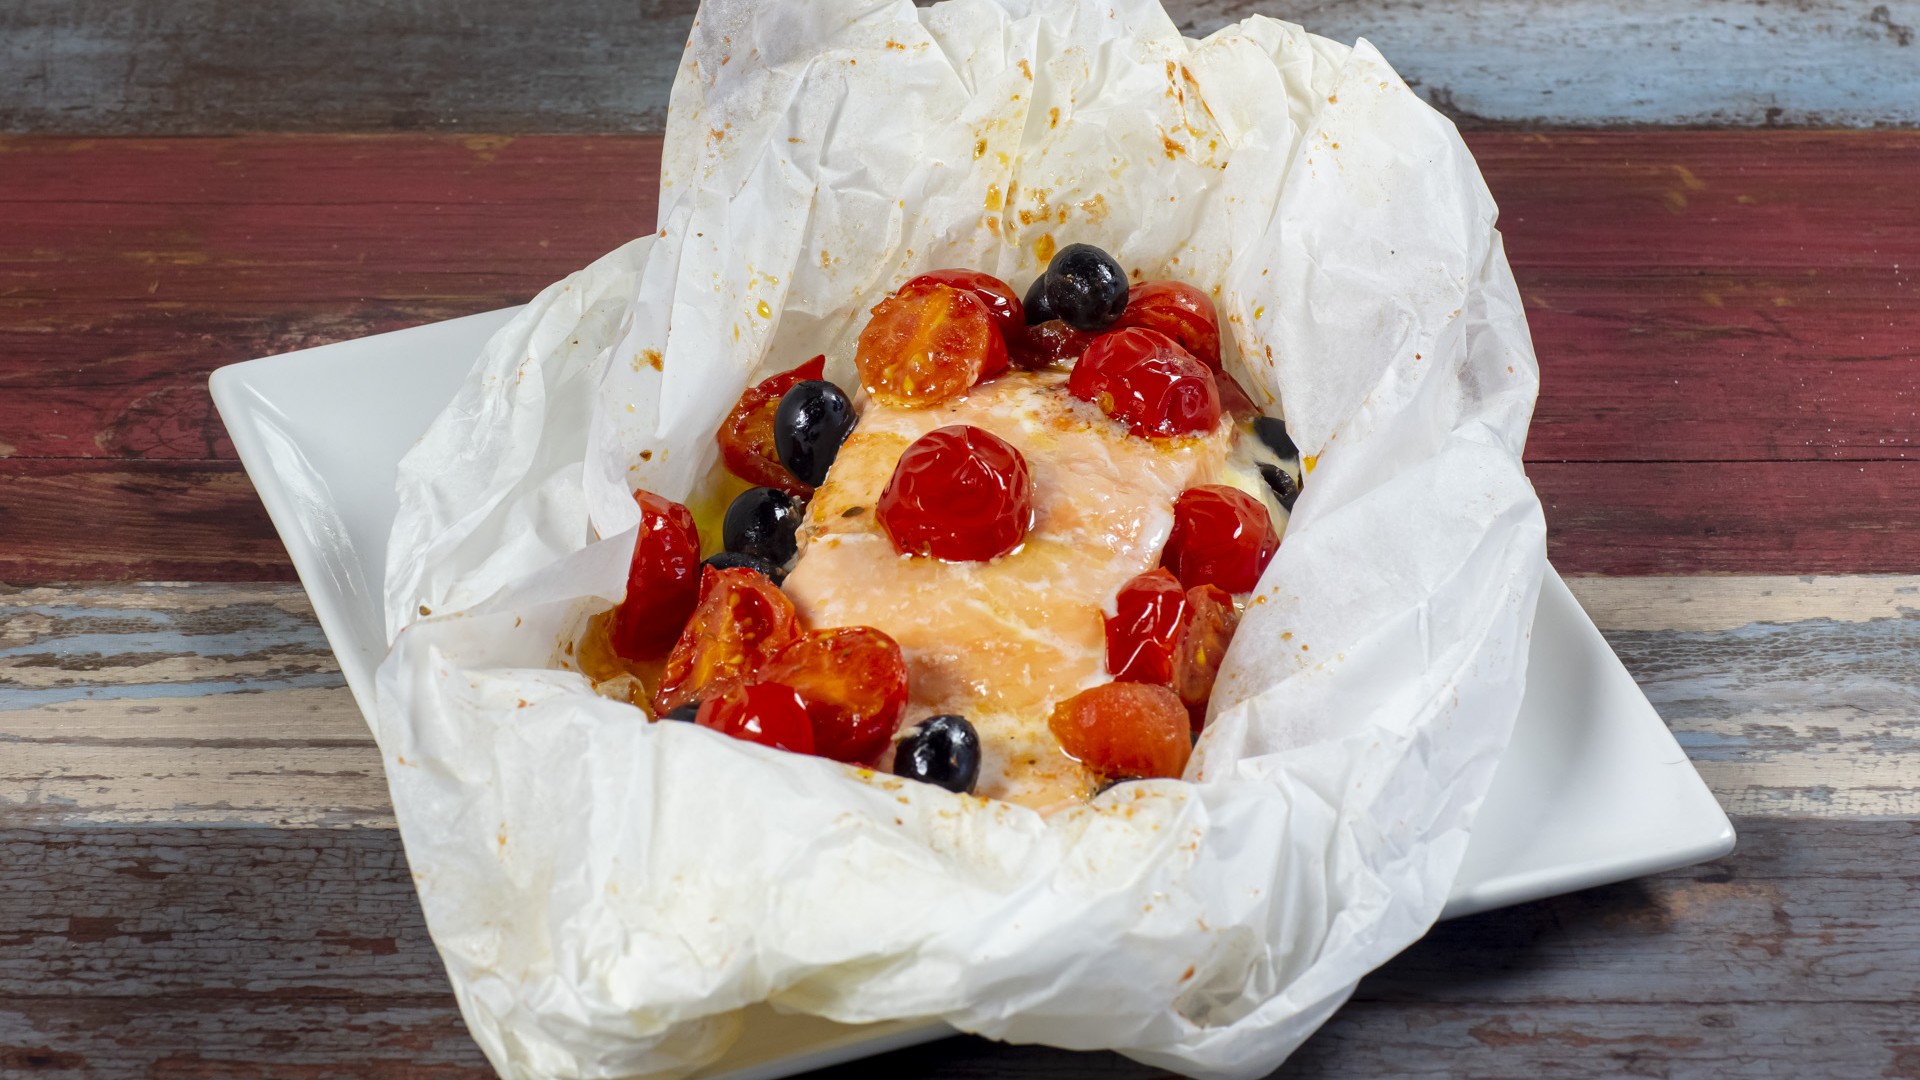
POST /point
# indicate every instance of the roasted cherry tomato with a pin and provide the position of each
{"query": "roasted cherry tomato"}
(925, 347)
(1048, 344)
(958, 493)
(1145, 380)
(741, 624)
(854, 681)
(1211, 622)
(1179, 311)
(1001, 302)
(1234, 399)
(1221, 536)
(663, 581)
(1125, 729)
(766, 713)
(1143, 634)
(746, 436)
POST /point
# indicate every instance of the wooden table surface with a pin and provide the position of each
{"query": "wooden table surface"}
(200, 873)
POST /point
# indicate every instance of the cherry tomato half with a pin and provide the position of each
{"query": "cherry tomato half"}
(1048, 344)
(1233, 398)
(1145, 380)
(923, 348)
(1210, 626)
(854, 682)
(958, 493)
(746, 436)
(1179, 311)
(1125, 729)
(741, 623)
(766, 713)
(663, 580)
(1001, 302)
(1144, 633)
(1221, 536)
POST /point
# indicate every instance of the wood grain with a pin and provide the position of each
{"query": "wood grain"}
(250, 952)
(1697, 297)
(207, 66)
(205, 704)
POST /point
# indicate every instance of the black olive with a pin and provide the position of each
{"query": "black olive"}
(726, 560)
(943, 751)
(1086, 289)
(762, 522)
(1281, 481)
(813, 419)
(1036, 301)
(1273, 432)
(685, 712)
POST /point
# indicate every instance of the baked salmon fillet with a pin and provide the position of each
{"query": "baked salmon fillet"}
(1002, 642)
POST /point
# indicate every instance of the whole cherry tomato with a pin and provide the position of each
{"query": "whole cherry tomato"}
(1125, 729)
(923, 348)
(663, 580)
(1221, 536)
(766, 713)
(746, 436)
(1145, 380)
(1048, 344)
(1001, 301)
(854, 682)
(1203, 644)
(1144, 633)
(1233, 399)
(958, 493)
(1179, 311)
(741, 623)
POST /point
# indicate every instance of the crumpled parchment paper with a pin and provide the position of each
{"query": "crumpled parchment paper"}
(607, 893)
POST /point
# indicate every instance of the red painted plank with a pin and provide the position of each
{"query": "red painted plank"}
(201, 521)
(1695, 295)
(134, 521)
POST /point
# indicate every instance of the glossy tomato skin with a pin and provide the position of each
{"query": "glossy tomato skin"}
(1145, 380)
(1001, 302)
(1125, 729)
(1145, 631)
(926, 347)
(741, 623)
(854, 683)
(663, 581)
(1221, 536)
(1179, 311)
(1210, 625)
(958, 493)
(766, 713)
(1049, 344)
(746, 435)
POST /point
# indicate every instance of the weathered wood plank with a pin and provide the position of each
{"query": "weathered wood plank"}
(219, 704)
(1731, 517)
(201, 520)
(266, 933)
(297, 1036)
(1694, 295)
(219, 65)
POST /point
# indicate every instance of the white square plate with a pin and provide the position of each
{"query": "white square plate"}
(1593, 788)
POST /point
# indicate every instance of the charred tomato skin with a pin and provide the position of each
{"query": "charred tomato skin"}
(663, 580)
(740, 624)
(925, 347)
(1001, 302)
(1145, 380)
(1125, 729)
(958, 493)
(854, 683)
(1221, 536)
(746, 436)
